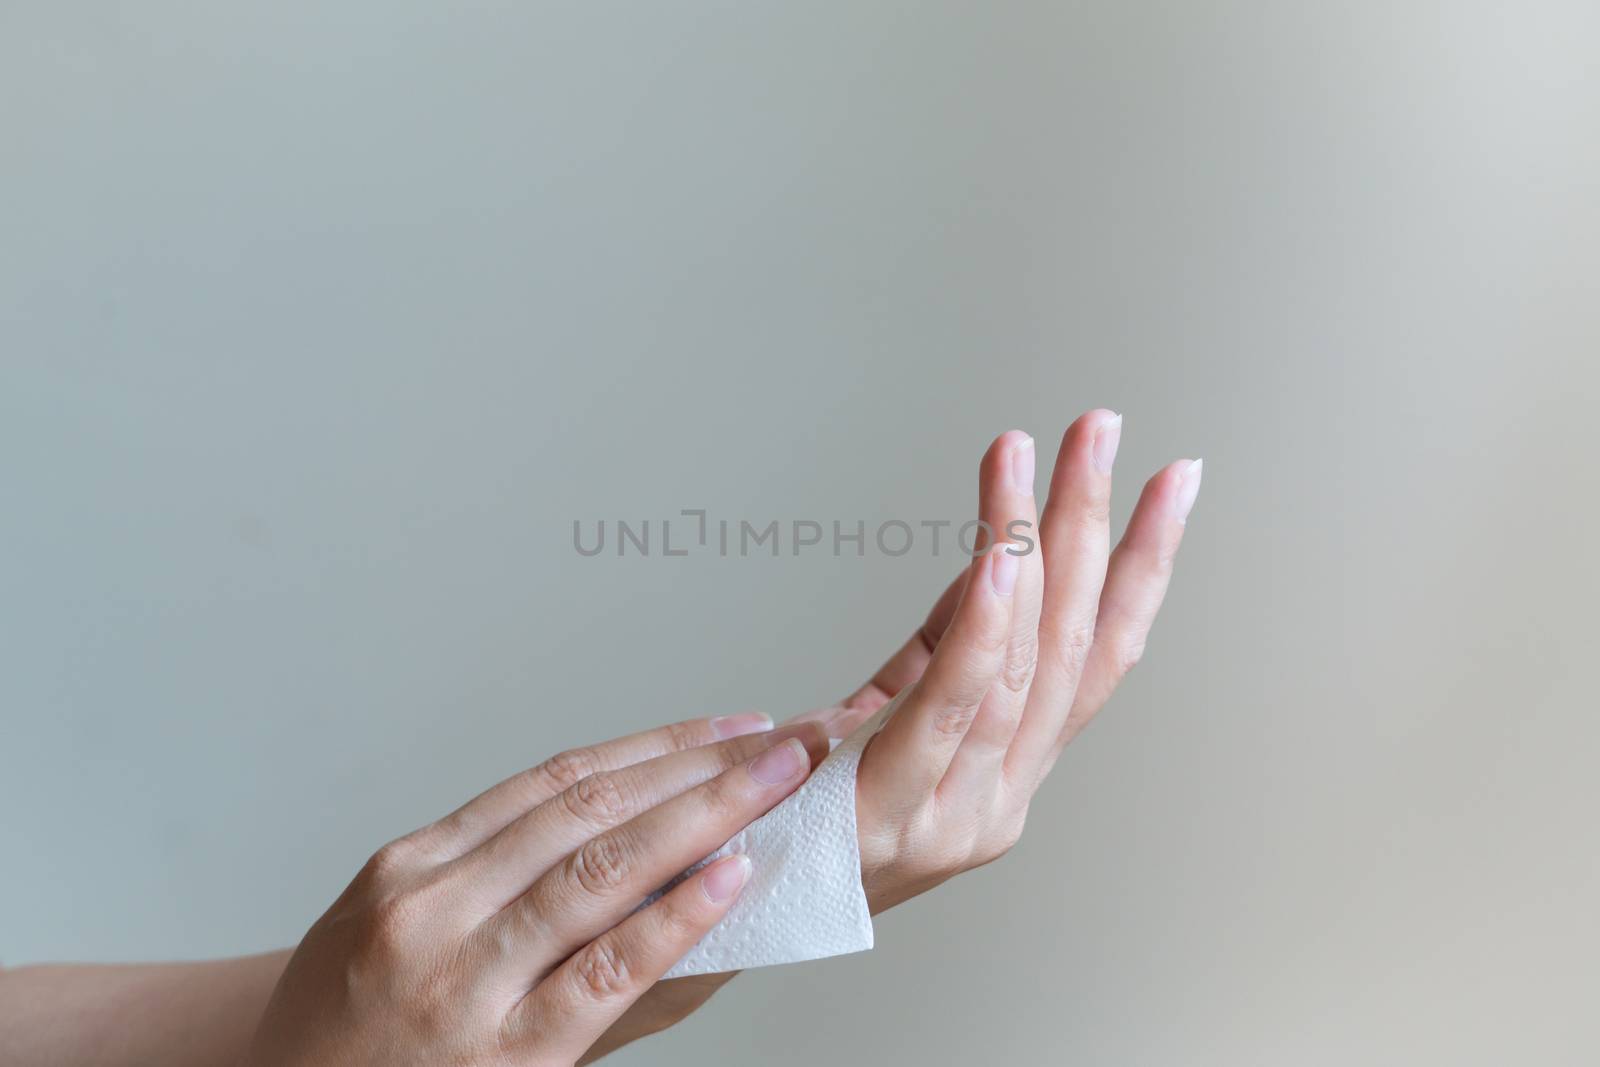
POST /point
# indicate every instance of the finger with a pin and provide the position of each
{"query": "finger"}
(903, 668)
(597, 885)
(1076, 539)
(486, 814)
(917, 744)
(1136, 585)
(1006, 504)
(907, 665)
(571, 1009)
(503, 867)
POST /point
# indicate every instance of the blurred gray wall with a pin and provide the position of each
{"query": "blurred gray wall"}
(319, 324)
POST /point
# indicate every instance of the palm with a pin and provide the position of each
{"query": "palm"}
(944, 787)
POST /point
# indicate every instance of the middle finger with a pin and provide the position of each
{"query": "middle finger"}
(1076, 539)
(602, 881)
(497, 871)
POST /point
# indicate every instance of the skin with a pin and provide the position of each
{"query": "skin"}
(505, 933)
(996, 686)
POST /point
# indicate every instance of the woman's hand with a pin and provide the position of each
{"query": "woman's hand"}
(1015, 658)
(506, 933)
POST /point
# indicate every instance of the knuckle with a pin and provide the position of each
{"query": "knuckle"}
(597, 799)
(1073, 641)
(455, 826)
(601, 971)
(999, 841)
(944, 860)
(601, 865)
(390, 923)
(434, 1019)
(1022, 656)
(720, 798)
(1081, 519)
(566, 769)
(1006, 841)
(386, 865)
(730, 754)
(501, 941)
(1127, 656)
(682, 735)
(679, 925)
(954, 720)
(433, 1011)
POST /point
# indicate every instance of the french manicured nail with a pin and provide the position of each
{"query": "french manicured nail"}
(781, 762)
(795, 729)
(1188, 489)
(1022, 457)
(1106, 440)
(1003, 569)
(746, 722)
(724, 878)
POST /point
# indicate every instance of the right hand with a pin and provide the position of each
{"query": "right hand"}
(506, 933)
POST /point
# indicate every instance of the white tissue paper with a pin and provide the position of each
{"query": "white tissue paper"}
(804, 900)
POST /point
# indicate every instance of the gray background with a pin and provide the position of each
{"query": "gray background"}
(321, 323)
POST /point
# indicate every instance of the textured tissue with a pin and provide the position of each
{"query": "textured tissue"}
(804, 900)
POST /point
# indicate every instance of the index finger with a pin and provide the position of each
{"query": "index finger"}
(597, 885)
(497, 807)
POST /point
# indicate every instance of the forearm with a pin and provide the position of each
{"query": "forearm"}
(95, 1015)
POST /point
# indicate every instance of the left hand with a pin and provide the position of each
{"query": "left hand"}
(1017, 656)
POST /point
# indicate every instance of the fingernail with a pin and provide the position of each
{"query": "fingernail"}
(725, 878)
(1106, 440)
(780, 762)
(1022, 457)
(1188, 489)
(1003, 569)
(795, 729)
(746, 722)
